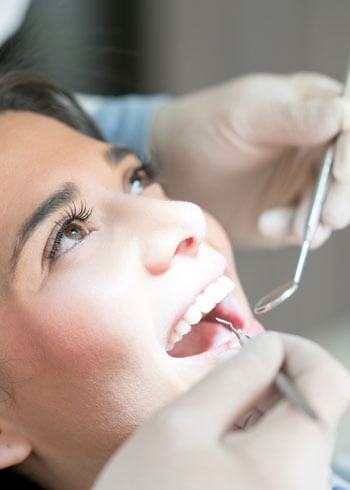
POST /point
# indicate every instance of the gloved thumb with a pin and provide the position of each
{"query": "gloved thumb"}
(277, 224)
(286, 225)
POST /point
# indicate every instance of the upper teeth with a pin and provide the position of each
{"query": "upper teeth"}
(205, 302)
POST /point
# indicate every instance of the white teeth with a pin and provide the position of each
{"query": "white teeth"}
(204, 303)
(175, 337)
(225, 284)
(213, 292)
(193, 315)
(182, 328)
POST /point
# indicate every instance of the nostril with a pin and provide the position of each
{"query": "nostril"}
(187, 246)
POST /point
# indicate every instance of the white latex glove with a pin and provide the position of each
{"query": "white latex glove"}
(250, 150)
(191, 444)
(12, 14)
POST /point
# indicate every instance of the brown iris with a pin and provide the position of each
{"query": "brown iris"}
(139, 179)
(74, 232)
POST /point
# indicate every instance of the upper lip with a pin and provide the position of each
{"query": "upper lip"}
(214, 277)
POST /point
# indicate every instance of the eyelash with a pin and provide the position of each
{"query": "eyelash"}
(71, 215)
(152, 172)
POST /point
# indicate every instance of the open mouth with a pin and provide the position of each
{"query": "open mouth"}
(198, 331)
(204, 336)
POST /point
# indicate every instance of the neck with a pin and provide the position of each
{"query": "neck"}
(59, 475)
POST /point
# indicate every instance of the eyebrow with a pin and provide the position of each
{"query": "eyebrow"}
(53, 203)
(59, 199)
(115, 154)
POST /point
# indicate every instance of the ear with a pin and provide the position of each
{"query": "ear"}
(14, 447)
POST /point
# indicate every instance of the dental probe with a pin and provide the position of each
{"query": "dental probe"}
(282, 382)
(285, 291)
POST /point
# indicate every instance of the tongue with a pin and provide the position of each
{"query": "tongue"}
(204, 336)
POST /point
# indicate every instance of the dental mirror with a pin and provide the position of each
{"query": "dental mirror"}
(276, 297)
(280, 294)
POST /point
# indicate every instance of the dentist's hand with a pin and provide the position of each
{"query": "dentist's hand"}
(192, 443)
(253, 145)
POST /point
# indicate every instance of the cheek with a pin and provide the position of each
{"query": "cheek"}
(82, 341)
(80, 351)
(217, 238)
(76, 324)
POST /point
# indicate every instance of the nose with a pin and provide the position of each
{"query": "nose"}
(171, 229)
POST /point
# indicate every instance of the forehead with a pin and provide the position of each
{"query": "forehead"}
(37, 151)
(27, 138)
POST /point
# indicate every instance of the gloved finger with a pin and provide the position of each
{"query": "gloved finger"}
(291, 121)
(283, 226)
(231, 390)
(309, 367)
(308, 84)
(341, 166)
(276, 225)
(336, 211)
(322, 233)
(263, 406)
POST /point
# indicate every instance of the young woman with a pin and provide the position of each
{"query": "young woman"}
(101, 276)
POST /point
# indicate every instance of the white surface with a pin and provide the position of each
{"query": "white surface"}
(12, 13)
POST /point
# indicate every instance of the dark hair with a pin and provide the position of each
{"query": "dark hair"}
(24, 91)
(10, 480)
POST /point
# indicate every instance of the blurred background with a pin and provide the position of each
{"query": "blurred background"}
(176, 46)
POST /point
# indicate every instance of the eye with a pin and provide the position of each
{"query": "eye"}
(75, 232)
(67, 237)
(142, 177)
(69, 232)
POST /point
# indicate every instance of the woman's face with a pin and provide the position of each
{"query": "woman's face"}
(97, 268)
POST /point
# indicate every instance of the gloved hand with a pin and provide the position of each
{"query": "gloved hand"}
(250, 150)
(191, 443)
(12, 16)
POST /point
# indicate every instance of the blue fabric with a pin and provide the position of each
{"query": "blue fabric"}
(124, 120)
(337, 483)
(341, 467)
(341, 464)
